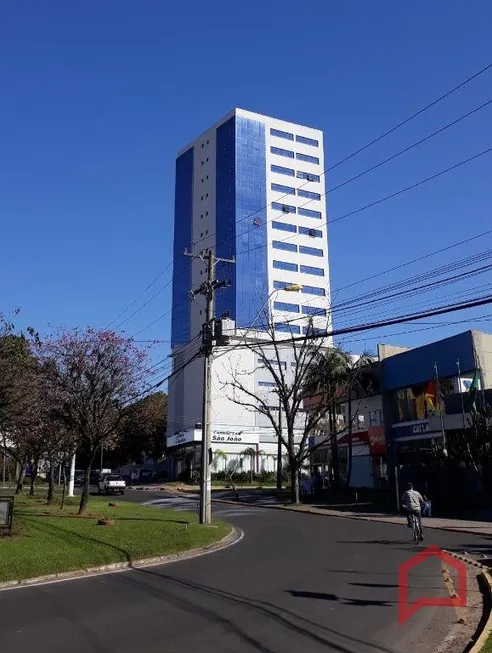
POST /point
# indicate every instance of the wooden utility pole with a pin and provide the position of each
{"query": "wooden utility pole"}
(208, 289)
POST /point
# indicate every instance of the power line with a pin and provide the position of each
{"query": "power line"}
(382, 199)
(141, 294)
(410, 147)
(346, 158)
(359, 210)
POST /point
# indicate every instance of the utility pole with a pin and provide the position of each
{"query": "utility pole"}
(209, 334)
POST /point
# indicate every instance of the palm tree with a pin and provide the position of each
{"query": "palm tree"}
(326, 379)
(219, 455)
(251, 452)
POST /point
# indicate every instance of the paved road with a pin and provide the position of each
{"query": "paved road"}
(295, 583)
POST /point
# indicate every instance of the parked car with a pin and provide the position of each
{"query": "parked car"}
(112, 484)
(79, 477)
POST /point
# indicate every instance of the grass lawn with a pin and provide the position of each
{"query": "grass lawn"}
(487, 648)
(47, 540)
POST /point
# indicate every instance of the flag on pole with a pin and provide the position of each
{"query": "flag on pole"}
(473, 392)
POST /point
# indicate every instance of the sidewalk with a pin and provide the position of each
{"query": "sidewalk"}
(456, 525)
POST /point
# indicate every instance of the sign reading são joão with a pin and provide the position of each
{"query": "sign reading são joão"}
(407, 609)
(218, 437)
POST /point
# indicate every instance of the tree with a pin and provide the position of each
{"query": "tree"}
(343, 376)
(96, 376)
(144, 428)
(219, 455)
(250, 452)
(293, 386)
(473, 447)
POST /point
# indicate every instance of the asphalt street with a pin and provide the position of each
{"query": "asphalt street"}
(295, 583)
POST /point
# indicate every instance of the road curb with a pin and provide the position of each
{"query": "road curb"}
(235, 536)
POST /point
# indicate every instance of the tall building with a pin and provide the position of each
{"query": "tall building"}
(251, 188)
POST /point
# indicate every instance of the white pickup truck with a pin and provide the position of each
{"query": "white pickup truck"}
(112, 484)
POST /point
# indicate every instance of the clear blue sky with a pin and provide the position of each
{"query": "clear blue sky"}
(97, 97)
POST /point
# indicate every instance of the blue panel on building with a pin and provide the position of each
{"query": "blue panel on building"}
(241, 222)
(225, 211)
(417, 365)
(183, 215)
(251, 222)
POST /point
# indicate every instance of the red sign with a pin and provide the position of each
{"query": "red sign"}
(377, 441)
(406, 609)
(357, 438)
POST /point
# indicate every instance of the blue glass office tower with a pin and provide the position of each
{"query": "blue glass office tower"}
(252, 187)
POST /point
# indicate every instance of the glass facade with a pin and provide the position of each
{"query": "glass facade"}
(183, 217)
(251, 289)
(225, 212)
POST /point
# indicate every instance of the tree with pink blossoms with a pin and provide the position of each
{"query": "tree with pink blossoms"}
(95, 375)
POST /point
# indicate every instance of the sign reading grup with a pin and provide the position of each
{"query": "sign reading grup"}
(6, 514)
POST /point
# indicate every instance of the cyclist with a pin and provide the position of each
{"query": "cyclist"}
(413, 501)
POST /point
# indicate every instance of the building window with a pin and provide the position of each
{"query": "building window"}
(307, 158)
(313, 310)
(287, 328)
(283, 265)
(308, 194)
(202, 181)
(312, 251)
(287, 190)
(308, 213)
(280, 134)
(206, 212)
(375, 418)
(287, 247)
(307, 175)
(206, 177)
(273, 363)
(307, 141)
(313, 290)
(285, 208)
(283, 226)
(267, 384)
(307, 269)
(310, 330)
(283, 171)
(280, 285)
(285, 306)
(281, 152)
(206, 195)
(201, 217)
(308, 231)
(206, 231)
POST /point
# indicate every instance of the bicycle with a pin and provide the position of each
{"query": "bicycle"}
(416, 528)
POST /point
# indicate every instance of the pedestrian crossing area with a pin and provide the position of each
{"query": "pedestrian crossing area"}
(185, 504)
